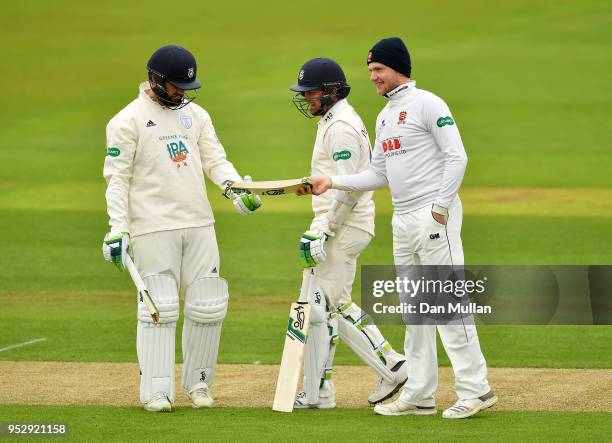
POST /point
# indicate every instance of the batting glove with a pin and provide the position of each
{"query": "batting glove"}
(246, 202)
(312, 250)
(116, 247)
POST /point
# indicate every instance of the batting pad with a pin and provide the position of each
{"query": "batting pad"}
(155, 342)
(317, 351)
(205, 308)
(365, 340)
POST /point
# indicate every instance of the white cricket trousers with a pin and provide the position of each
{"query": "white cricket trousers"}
(418, 239)
(183, 254)
(336, 274)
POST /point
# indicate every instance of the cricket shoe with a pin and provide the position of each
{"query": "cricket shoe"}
(200, 396)
(400, 407)
(385, 390)
(159, 403)
(327, 398)
(467, 408)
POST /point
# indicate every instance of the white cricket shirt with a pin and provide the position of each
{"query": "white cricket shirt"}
(418, 152)
(342, 146)
(153, 167)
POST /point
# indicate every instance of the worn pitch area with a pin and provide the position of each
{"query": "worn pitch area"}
(242, 385)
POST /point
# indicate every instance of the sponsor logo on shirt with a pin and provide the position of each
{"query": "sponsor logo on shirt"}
(113, 151)
(443, 121)
(342, 155)
(178, 153)
(402, 118)
(391, 144)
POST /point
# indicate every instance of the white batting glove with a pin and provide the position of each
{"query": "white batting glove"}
(116, 247)
(312, 248)
(246, 202)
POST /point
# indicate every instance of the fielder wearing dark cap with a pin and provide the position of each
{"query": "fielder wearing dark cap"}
(393, 53)
(420, 156)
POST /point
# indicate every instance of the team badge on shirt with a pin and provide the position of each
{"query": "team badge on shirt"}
(186, 121)
(178, 153)
(402, 118)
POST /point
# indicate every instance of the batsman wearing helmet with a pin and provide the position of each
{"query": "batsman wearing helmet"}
(342, 227)
(157, 148)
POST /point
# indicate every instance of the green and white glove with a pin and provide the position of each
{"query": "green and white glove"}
(116, 247)
(312, 249)
(246, 202)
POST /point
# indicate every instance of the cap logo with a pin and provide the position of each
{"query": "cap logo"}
(301, 76)
(369, 56)
(190, 72)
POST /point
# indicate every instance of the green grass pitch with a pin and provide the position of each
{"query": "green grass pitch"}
(526, 83)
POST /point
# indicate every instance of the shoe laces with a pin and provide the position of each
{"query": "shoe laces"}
(159, 396)
(460, 406)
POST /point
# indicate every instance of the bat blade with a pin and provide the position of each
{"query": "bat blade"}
(273, 187)
(293, 357)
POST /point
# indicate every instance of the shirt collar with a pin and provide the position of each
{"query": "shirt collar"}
(401, 91)
(334, 110)
(143, 94)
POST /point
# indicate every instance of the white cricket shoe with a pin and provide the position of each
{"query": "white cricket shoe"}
(385, 390)
(200, 396)
(327, 398)
(400, 407)
(159, 403)
(467, 408)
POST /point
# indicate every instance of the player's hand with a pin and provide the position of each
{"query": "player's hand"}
(319, 184)
(312, 250)
(116, 247)
(246, 202)
(440, 218)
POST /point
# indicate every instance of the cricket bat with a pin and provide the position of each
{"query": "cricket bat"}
(143, 293)
(295, 347)
(274, 187)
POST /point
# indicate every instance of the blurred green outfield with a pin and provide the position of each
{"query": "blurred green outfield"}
(527, 82)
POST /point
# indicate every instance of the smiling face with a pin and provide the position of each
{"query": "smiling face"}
(314, 100)
(385, 79)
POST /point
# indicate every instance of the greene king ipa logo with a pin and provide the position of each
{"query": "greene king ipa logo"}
(443, 121)
(178, 153)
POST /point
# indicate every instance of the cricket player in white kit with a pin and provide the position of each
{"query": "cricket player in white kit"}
(342, 227)
(420, 156)
(157, 148)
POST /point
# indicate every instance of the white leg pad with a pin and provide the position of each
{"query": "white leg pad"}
(365, 339)
(317, 351)
(206, 301)
(155, 342)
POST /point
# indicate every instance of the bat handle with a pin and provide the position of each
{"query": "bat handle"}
(307, 275)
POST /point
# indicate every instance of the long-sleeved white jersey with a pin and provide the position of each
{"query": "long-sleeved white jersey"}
(418, 152)
(153, 167)
(342, 146)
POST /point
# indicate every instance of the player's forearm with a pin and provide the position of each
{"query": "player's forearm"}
(117, 203)
(341, 208)
(218, 168)
(454, 170)
(367, 180)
